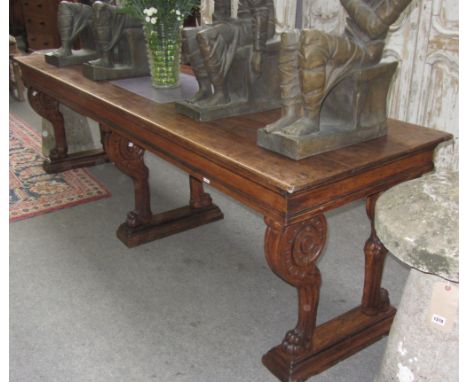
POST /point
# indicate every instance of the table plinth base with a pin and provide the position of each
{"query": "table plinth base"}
(75, 160)
(334, 341)
(168, 223)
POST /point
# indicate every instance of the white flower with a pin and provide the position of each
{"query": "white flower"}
(177, 12)
(153, 20)
(147, 19)
(150, 11)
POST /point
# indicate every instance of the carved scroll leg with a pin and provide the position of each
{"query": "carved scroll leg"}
(291, 252)
(141, 225)
(48, 108)
(128, 157)
(375, 299)
(59, 159)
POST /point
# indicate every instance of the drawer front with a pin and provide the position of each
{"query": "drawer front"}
(42, 41)
(40, 20)
(44, 8)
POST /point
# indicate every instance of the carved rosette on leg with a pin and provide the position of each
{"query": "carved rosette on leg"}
(375, 299)
(141, 225)
(128, 157)
(291, 252)
(48, 108)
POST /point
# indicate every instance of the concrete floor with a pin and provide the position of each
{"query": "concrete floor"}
(200, 306)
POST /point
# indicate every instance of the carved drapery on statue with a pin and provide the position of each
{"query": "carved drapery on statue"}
(121, 45)
(285, 11)
(234, 61)
(334, 88)
(74, 22)
(112, 43)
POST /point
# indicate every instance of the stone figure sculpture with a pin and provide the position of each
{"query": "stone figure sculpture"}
(120, 43)
(234, 61)
(74, 21)
(334, 88)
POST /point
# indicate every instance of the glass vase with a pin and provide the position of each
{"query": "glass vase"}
(163, 41)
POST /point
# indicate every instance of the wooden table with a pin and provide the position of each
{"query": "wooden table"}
(292, 195)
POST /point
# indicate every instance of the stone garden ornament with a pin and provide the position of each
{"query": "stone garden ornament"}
(234, 61)
(334, 88)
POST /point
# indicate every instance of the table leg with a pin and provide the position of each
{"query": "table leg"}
(141, 225)
(374, 299)
(198, 197)
(128, 158)
(292, 252)
(59, 160)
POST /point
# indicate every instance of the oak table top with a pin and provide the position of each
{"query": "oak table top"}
(228, 143)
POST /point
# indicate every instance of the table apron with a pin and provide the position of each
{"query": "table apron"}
(372, 181)
(269, 202)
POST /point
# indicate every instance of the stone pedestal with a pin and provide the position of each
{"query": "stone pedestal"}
(418, 223)
(77, 57)
(417, 348)
(77, 130)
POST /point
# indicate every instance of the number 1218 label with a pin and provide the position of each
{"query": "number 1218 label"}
(443, 308)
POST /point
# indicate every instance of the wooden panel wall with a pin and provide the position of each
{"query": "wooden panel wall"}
(285, 12)
(425, 43)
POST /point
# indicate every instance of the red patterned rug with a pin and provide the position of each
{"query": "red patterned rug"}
(33, 191)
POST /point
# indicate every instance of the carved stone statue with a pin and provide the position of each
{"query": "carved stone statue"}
(120, 43)
(334, 88)
(234, 61)
(74, 21)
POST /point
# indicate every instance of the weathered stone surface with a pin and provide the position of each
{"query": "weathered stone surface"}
(417, 350)
(417, 221)
(77, 130)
